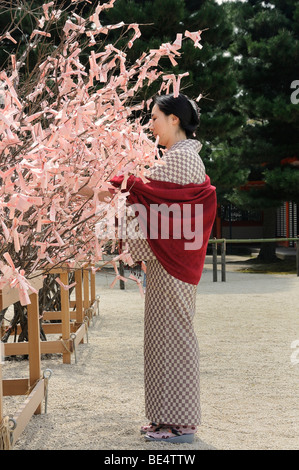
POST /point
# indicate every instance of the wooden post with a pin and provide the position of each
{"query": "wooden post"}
(86, 288)
(1, 395)
(34, 344)
(79, 296)
(79, 299)
(223, 266)
(92, 286)
(5, 438)
(122, 273)
(215, 262)
(65, 316)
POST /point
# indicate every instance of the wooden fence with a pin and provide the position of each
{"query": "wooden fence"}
(223, 243)
(71, 325)
(34, 387)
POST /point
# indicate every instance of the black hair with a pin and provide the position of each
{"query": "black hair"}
(185, 109)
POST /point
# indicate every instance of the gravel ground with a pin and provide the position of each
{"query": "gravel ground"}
(249, 371)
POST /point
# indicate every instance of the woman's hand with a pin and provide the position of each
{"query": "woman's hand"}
(104, 195)
(88, 192)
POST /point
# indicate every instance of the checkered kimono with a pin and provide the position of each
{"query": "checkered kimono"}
(171, 354)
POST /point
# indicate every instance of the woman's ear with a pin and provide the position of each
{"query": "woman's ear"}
(175, 120)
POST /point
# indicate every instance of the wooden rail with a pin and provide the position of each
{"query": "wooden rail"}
(223, 242)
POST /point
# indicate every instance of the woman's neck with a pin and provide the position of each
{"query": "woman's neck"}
(176, 138)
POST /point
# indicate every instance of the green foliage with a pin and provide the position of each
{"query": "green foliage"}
(211, 72)
(267, 46)
(225, 168)
(284, 181)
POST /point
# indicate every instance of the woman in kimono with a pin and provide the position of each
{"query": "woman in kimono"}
(173, 270)
(171, 353)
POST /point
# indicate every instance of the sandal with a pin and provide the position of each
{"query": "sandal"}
(171, 435)
(151, 427)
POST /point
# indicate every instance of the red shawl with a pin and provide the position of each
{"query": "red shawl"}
(184, 264)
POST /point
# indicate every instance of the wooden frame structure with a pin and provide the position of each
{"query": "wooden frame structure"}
(35, 386)
(71, 325)
(90, 299)
(74, 323)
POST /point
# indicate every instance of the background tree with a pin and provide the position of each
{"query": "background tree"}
(211, 74)
(266, 47)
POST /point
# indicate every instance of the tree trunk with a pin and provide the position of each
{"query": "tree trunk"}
(267, 251)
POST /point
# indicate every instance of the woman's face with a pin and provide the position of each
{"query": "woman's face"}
(162, 126)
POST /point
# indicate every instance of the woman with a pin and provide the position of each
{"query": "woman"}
(171, 354)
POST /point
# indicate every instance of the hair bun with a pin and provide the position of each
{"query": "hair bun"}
(181, 106)
(196, 109)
